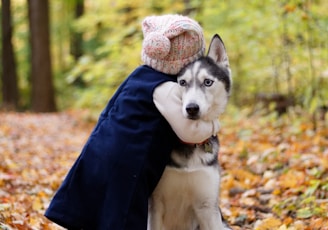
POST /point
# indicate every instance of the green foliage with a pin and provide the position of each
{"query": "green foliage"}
(273, 46)
(112, 47)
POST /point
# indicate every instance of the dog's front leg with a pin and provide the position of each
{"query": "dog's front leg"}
(156, 213)
(209, 217)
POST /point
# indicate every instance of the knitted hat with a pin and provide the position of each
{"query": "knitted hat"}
(171, 42)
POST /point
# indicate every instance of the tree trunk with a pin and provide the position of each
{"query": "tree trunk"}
(192, 8)
(43, 96)
(76, 40)
(9, 75)
(77, 37)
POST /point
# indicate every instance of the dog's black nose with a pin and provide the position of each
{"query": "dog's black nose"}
(192, 109)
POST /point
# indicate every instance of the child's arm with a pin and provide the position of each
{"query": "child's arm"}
(168, 101)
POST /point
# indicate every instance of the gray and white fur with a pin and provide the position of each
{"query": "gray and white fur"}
(186, 197)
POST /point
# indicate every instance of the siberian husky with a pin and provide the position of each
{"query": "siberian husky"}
(186, 197)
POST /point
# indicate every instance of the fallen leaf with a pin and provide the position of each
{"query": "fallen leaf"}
(268, 224)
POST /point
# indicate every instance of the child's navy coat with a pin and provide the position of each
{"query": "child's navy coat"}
(109, 185)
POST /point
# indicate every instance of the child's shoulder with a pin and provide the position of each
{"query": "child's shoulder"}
(145, 69)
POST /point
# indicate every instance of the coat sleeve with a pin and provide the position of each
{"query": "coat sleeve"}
(167, 99)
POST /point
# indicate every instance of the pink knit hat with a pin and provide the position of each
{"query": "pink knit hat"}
(171, 42)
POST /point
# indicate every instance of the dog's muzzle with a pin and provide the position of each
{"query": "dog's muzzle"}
(192, 110)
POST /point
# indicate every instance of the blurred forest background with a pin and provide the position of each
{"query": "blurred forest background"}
(70, 56)
(74, 53)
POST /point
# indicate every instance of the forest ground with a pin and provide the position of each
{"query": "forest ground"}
(274, 170)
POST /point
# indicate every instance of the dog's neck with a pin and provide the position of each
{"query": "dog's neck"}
(206, 144)
(201, 143)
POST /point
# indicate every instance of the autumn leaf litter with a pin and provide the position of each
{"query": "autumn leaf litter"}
(274, 170)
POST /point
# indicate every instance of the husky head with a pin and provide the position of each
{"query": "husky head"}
(206, 83)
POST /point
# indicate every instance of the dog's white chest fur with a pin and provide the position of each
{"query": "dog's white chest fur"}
(183, 196)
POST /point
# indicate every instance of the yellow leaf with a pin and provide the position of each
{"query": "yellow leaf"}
(33, 221)
(324, 162)
(37, 204)
(269, 224)
(291, 179)
(276, 192)
(245, 177)
(282, 227)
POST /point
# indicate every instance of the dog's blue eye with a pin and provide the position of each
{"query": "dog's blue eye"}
(182, 82)
(208, 82)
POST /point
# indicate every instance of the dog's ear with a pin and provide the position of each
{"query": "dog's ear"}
(218, 52)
